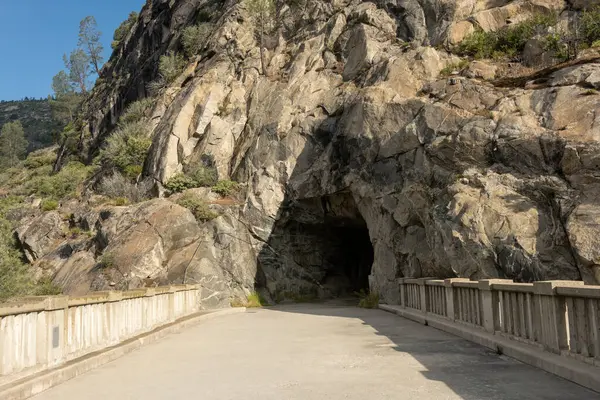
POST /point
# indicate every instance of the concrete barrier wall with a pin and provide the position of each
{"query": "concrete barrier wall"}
(38, 333)
(559, 317)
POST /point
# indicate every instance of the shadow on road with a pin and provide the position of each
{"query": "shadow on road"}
(471, 371)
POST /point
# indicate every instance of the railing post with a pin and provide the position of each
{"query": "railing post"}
(554, 327)
(490, 303)
(172, 294)
(149, 308)
(114, 326)
(402, 289)
(450, 297)
(423, 294)
(57, 309)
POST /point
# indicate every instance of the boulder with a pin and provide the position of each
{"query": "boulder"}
(41, 235)
(482, 70)
(460, 31)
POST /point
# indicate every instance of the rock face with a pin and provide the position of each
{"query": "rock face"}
(360, 164)
(152, 243)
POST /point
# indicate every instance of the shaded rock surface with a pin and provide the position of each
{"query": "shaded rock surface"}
(359, 162)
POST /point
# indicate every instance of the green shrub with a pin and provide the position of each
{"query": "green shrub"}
(123, 30)
(368, 300)
(119, 187)
(226, 188)
(107, 260)
(507, 41)
(49, 205)
(133, 171)
(194, 37)
(127, 147)
(61, 185)
(136, 111)
(121, 201)
(180, 182)
(15, 277)
(479, 44)
(203, 176)
(554, 43)
(170, 66)
(40, 159)
(156, 86)
(199, 177)
(512, 39)
(589, 25)
(45, 287)
(255, 300)
(198, 207)
(9, 203)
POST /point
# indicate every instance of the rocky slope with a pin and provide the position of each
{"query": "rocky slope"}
(359, 162)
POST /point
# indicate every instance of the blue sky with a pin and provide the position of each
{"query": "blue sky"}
(34, 34)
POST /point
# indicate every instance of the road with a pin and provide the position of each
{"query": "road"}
(315, 352)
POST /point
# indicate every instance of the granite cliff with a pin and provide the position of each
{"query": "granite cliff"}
(359, 159)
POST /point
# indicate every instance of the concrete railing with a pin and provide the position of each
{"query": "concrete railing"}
(562, 317)
(38, 333)
(555, 317)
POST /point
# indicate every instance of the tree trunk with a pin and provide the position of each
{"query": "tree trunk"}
(95, 62)
(58, 163)
(262, 52)
(82, 85)
(262, 44)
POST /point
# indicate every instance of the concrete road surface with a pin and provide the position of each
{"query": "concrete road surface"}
(315, 352)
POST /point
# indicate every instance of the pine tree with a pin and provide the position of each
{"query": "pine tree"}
(89, 42)
(263, 13)
(78, 65)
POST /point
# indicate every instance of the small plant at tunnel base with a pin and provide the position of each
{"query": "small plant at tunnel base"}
(368, 300)
(254, 300)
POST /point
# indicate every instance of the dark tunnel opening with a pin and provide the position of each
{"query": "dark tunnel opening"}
(320, 248)
(350, 261)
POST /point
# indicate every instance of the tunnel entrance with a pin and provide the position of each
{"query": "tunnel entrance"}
(348, 266)
(319, 248)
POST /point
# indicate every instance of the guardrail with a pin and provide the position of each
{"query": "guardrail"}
(555, 317)
(37, 333)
